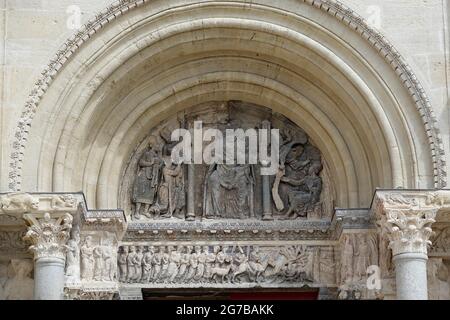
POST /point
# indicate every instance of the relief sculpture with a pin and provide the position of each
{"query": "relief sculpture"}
(297, 187)
(147, 181)
(99, 260)
(229, 192)
(215, 264)
(159, 186)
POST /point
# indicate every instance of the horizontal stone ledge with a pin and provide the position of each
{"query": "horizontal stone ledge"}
(230, 225)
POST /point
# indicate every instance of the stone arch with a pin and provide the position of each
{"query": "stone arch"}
(314, 61)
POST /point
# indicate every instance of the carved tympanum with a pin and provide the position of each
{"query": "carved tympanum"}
(155, 187)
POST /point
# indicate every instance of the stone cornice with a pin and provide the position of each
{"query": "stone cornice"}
(231, 230)
(331, 7)
(104, 220)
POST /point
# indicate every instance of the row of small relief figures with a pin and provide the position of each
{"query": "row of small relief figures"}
(228, 190)
(216, 264)
(93, 261)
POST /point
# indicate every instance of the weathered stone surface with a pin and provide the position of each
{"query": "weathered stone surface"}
(358, 110)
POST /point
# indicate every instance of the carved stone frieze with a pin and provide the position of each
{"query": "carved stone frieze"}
(11, 242)
(91, 260)
(17, 203)
(98, 253)
(14, 205)
(358, 252)
(441, 240)
(89, 293)
(217, 265)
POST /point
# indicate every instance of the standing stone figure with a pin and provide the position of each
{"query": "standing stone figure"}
(122, 262)
(184, 261)
(171, 192)
(147, 268)
(192, 266)
(347, 256)
(201, 259)
(109, 272)
(385, 257)
(98, 263)
(362, 257)
(156, 264)
(174, 261)
(210, 260)
(137, 261)
(147, 180)
(130, 263)
(87, 259)
(73, 259)
(165, 260)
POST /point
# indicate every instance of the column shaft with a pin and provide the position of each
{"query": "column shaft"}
(190, 216)
(48, 279)
(411, 276)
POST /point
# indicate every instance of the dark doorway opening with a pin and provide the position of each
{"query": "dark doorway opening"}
(230, 294)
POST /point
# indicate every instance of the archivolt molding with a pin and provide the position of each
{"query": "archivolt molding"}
(332, 7)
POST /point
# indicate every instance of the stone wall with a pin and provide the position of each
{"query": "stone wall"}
(32, 30)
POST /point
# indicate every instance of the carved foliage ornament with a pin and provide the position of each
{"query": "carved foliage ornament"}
(406, 217)
(48, 235)
(409, 231)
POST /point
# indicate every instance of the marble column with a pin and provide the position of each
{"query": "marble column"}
(406, 221)
(266, 196)
(266, 192)
(190, 216)
(409, 232)
(411, 276)
(48, 236)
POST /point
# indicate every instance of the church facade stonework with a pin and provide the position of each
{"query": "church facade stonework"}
(94, 204)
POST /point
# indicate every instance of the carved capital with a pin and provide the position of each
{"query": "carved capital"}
(406, 219)
(409, 230)
(48, 234)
